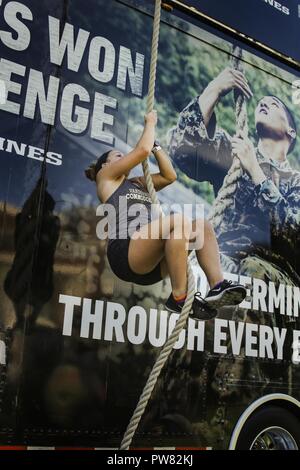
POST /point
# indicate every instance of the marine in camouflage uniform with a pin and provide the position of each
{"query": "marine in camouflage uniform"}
(259, 233)
(258, 236)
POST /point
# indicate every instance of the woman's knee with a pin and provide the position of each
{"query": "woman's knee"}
(198, 233)
(182, 225)
(208, 227)
(202, 229)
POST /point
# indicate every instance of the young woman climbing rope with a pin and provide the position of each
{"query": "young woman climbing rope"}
(187, 302)
(160, 245)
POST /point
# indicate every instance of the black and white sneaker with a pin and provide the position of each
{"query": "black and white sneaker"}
(172, 306)
(226, 294)
(201, 310)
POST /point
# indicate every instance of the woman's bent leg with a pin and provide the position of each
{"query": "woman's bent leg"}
(176, 253)
(221, 293)
(209, 256)
(170, 245)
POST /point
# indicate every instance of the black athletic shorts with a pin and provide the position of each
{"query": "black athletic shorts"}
(117, 254)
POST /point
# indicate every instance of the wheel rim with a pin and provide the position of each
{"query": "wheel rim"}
(274, 438)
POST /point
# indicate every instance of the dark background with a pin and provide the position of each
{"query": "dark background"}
(259, 20)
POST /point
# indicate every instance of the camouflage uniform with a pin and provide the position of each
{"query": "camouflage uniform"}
(258, 237)
(263, 224)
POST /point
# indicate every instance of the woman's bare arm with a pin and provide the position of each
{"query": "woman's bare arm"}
(137, 155)
(166, 175)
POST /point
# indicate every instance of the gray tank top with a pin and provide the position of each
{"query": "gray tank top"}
(133, 209)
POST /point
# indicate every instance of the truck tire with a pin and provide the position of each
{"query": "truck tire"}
(271, 428)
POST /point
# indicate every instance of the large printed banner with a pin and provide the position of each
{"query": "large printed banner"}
(74, 78)
(275, 24)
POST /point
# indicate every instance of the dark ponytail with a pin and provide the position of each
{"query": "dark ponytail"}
(96, 166)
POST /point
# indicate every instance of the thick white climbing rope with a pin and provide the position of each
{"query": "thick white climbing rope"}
(225, 197)
(182, 320)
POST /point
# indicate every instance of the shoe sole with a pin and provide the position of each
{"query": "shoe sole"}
(228, 298)
(204, 314)
(171, 310)
(201, 313)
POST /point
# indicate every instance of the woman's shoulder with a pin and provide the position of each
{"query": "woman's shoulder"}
(107, 189)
